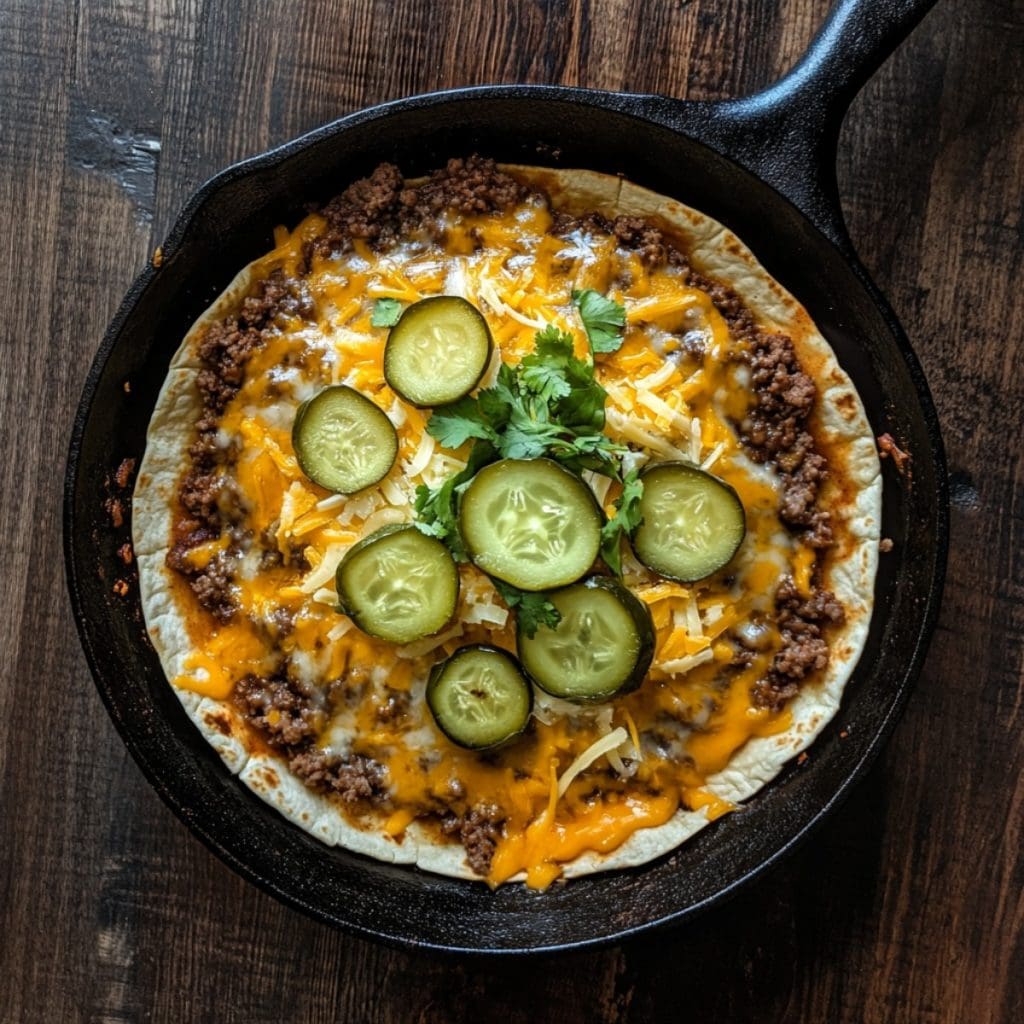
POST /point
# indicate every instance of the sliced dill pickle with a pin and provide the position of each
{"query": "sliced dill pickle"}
(479, 697)
(530, 522)
(343, 441)
(692, 523)
(398, 584)
(601, 648)
(438, 351)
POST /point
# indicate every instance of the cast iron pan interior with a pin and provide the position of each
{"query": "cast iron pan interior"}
(230, 222)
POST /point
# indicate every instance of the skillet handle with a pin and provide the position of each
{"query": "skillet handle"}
(787, 134)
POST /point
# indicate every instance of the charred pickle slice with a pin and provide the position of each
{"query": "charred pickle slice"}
(531, 523)
(692, 523)
(398, 584)
(479, 697)
(601, 648)
(343, 441)
(438, 351)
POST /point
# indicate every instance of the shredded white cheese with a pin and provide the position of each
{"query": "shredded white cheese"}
(695, 441)
(660, 376)
(330, 503)
(693, 624)
(487, 292)
(598, 484)
(713, 457)
(632, 429)
(623, 770)
(526, 321)
(362, 507)
(324, 572)
(633, 460)
(491, 614)
(393, 493)
(387, 516)
(680, 666)
(456, 283)
(421, 457)
(548, 709)
(397, 414)
(428, 644)
(439, 468)
(491, 373)
(713, 613)
(337, 631)
(596, 749)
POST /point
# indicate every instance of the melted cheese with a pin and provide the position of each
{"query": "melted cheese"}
(226, 655)
(661, 398)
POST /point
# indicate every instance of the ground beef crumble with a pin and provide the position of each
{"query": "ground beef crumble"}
(479, 830)
(775, 432)
(381, 209)
(354, 778)
(802, 622)
(280, 708)
(286, 714)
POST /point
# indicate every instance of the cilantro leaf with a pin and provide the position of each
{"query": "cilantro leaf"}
(584, 407)
(552, 372)
(506, 386)
(551, 343)
(453, 425)
(524, 439)
(385, 313)
(497, 402)
(435, 516)
(546, 381)
(604, 320)
(626, 519)
(533, 610)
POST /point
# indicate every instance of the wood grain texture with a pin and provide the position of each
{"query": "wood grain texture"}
(909, 906)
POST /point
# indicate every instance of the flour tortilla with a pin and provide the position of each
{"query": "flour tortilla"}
(840, 421)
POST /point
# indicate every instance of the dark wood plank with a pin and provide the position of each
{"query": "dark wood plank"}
(907, 907)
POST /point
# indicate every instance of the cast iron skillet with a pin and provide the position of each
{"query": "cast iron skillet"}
(764, 166)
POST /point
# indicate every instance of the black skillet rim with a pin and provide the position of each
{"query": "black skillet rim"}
(622, 103)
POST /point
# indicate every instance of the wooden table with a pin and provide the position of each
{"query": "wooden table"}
(907, 907)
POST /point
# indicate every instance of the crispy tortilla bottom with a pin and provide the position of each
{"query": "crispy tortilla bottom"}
(839, 420)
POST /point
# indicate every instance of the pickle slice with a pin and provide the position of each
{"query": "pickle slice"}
(601, 648)
(438, 351)
(479, 697)
(343, 441)
(398, 584)
(531, 523)
(692, 523)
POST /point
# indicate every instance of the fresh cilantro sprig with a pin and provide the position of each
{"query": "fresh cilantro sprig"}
(549, 405)
(386, 313)
(626, 519)
(604, 320)
(533, 610)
